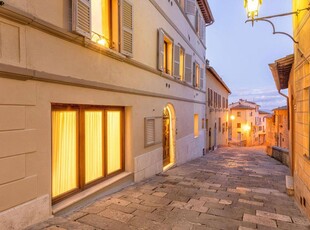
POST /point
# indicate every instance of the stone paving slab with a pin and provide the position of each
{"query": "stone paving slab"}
(230, 188)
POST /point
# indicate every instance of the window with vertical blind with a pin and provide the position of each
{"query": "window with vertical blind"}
(87, 147)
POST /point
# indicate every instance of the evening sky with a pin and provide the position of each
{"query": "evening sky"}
(241, 53)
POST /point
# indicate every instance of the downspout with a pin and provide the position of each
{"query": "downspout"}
(288, 108)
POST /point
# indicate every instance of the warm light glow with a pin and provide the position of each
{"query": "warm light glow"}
(168, 46)
(64, 152)
(196, 125)
(252, 7)
(93, 146)
(102, 42)
(246, 127)
(197, 76)
(232, 117)
(114, 141)
(101, 21)
(181, 64)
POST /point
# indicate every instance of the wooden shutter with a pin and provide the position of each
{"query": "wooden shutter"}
(202, 29)
(126, 22)
(152, 130)
(160, 60)
(176, 68)
(194, 75)
(190, 7)
(201, 78)
(188, 68)
(149, 131)
(197, 21)
(209, 102)
(81, 17)
(220, 101)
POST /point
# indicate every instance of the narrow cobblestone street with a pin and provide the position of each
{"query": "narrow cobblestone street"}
(230, 188)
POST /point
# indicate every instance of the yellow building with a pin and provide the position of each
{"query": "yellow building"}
(95, 95)
(244, 122)
(217, 110)
(293, 72)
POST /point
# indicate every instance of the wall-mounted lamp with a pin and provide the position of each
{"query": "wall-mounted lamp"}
(252, 8)
(101, 40)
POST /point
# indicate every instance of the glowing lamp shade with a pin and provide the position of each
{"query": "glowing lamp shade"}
(102, 41)
(252, 7)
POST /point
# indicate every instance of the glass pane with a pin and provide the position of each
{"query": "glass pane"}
(93, 146)
(114, 140)
(64, 152)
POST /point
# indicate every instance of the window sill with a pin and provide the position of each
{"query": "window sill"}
(88, 192)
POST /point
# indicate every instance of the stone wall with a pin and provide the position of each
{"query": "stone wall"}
(281, 155)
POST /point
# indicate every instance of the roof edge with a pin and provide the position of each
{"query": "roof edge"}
(218, 78)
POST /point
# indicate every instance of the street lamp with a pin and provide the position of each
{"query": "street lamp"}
(246, 128)
(252, 7)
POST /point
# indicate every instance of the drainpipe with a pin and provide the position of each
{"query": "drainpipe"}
(288, 107)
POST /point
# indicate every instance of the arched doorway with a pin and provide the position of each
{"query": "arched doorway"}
(168, 136)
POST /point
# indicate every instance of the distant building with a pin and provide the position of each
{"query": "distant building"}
(281, 127)
(244, 122)
(262, 121)
(277, 129)
(270, 133)
(217, 110)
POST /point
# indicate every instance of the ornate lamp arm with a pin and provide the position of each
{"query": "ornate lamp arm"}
(265, 19)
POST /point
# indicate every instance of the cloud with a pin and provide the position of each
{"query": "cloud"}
(268, 99)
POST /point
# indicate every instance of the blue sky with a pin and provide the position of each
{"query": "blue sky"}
(241, 53)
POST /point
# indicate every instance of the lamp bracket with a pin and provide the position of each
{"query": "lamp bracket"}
(273, 27)
(266, 19)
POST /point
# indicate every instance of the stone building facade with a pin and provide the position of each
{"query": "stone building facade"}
(277, 129)
(293, 72)
(244, 122)
(217, 110)
(95, 95)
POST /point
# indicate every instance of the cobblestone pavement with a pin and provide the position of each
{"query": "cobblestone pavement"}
(230, 188)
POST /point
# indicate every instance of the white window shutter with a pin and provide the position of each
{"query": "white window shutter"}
(126, 23)
(81, 17)
(149, 131)
(200, 27)
(176, 61)
(194, 75)
(202, 75)
(160, 61)
(197, 21)
(190, 7)
(188, 68)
